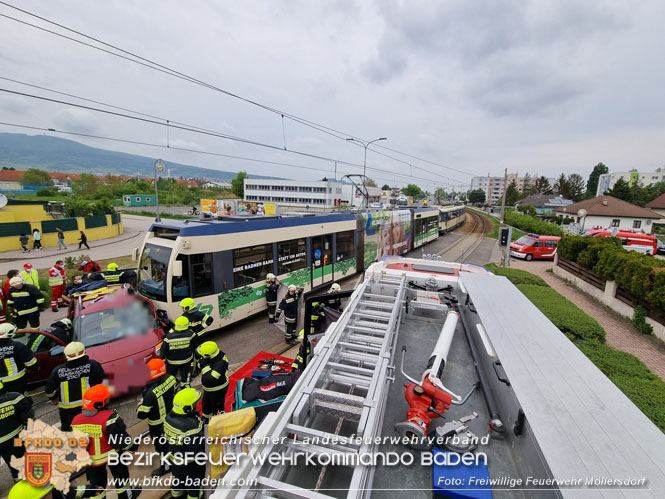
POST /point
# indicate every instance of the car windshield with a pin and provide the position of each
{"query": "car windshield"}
(113, 324)
(527, 241)
(153, 271)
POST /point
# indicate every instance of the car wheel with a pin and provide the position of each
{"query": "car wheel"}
(529, 257)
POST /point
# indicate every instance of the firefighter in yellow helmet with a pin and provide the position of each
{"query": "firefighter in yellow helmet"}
(199, 321)
(112, 275)
(25, 490)
(177, 350)
(214, 378)
(185, 438)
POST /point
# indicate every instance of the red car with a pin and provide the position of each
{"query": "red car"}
(534, 246)
(631, 240)
(120, 330)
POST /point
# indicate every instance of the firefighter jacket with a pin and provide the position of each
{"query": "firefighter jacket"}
(31, 277)
(215, 373)
(184, 433)
(26, 300)
(14, 358)
(271, 293)
(99, 426)
(56, 329)
(178, 347)
(57, 279)
(113, 276)
(69, 381)
(303, 353)
(15, 410)
(289, 305)
(198, 321)
(157, 399)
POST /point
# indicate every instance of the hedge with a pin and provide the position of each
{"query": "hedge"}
(528, 223)
(627, 372)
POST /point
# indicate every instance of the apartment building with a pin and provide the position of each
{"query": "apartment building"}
(324, 194)
(493, 187)
(607, 180)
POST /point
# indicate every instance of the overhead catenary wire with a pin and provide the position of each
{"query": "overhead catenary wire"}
(133, 57)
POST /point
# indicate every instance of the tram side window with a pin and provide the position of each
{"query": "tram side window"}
(251, 264)
(419, 226)
(432, 224)
(291, 255)
(181, 284)
(345, 247)
(202, 274)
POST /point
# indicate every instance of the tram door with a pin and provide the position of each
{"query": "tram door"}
(323, 260)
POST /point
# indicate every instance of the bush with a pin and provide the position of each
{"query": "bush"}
(528, 209)
(47, 192)
(528, 223)
(517, 276)
(565, 315)
(640, 321)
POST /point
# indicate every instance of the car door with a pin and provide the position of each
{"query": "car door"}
(47, 349)
(538, 249)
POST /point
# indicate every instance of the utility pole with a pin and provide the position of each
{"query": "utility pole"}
(503, 200)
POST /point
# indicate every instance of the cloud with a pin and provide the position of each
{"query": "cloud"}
(72, 119)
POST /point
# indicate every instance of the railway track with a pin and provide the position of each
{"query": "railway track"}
(474, 237)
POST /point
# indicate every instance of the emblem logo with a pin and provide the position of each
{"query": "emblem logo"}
(38, 468)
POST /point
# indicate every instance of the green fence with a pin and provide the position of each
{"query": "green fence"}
(66, 224)
(93, 222)
(9, 229)
(115, 218)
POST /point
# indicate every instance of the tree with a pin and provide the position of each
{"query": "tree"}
(238, 184)
(87, 186)
(576, 186)
(477, 196)
(5, 168)
(621, 190)
(369, 182)
(512, 193)
(639, 195)
(440, 195)
(324, 179)
(561, 186)
(414, 191)
(35, 176)
(385, 187)
(592, 184)
(543, 186)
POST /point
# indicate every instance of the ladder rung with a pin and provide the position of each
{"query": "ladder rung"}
(359, 347)
(364, 329)
(332, 396)
(320, 436)
(320, 450)
(362, 337)
(377, 304)
(349, 380)
(336, 410)
(353, 369)
(368, 358)
(373, 295)
(288, 490)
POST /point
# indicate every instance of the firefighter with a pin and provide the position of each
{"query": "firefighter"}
(184, 432)
(15, 410)
(303, 353)
(102, 424)
(25, 490)
(272, 286)
(335, 304)
(61, 329)
(57, 284)
(214, 378)
(199, 321)
(112, 275)
(178, 350)
(157, 402)
(15, 357)
(289, 305)
(29, 275)
(69, 381)
(26, 301)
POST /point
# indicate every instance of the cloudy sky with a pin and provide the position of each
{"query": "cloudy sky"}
(468, 88)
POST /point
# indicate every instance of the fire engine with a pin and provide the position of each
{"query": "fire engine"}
(631, 240)
(534, 246)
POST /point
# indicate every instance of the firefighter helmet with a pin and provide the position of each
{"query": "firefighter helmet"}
(335, 288)
(181, 323)
(292, 287)
(187, 303)
(7, 330)
(74, 350)
(208, 350)
(25, 490)
(67, 323)
(27, 266)
(301, 334)
(185, 400)
(112, 267)
(96, 397)
(270, 277)
(157, 368)
(15, 281)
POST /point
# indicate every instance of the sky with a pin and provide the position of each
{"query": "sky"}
(458, 88)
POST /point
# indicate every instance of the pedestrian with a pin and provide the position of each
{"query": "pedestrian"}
(103, 427)
(198, 321)
(61, 238)
(69, 381)
(83, 241)
(15, 358)
(36, 240)
(214, 378)
(289, 305)
(30, 275)
(23, 239)
(26, 300)
(15, 410)
(184, 432)
(272, 286)
(156, 403)
(177, 350)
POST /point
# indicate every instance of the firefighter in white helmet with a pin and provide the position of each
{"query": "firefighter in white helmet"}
(15, 358)
(272, 286)
(289, 305)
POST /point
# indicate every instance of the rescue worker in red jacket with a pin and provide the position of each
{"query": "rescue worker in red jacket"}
(56, 282)
(100, 424)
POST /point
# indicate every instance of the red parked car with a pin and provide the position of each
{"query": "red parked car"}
(120, 330)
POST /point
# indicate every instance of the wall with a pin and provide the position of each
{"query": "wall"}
(19, 212)
(95, 228)
(625, 224)
(607, 297)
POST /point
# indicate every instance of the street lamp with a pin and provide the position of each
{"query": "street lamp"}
(159, 167)
(365, 145)
(582, 213)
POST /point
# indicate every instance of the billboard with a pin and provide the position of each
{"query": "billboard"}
(386, 233)
(218, 206)
(252, 208)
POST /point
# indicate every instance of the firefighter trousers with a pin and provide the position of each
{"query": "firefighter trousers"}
(272, 307)
(157, 436)
(182, 371)
(33, 319)
(213, 402)
(7, 450)
(18, 385)
(98, 477)
(67, 414)
(290, 329)
(192, 471)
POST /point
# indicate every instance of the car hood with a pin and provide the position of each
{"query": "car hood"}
(126, 347)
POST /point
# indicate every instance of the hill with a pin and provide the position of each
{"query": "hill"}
(62, 155)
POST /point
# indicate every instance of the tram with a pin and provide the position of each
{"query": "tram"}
(451, 217)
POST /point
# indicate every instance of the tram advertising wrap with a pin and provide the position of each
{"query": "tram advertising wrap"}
(386, 233)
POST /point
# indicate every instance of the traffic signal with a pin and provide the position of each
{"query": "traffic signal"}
(504, 237)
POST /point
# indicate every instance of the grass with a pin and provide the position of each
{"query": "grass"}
(494, 233)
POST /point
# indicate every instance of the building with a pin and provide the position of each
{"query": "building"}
(658, 206)
(493, 187)
(324, 194)
(211, 184)
(10, 180)
(545, 203)
(609, 212)
(607, 180)
(138, 200)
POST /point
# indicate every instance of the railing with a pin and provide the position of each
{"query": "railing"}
(628, 298)
(582, 273)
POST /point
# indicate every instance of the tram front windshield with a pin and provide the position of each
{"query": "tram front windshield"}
(153, 271)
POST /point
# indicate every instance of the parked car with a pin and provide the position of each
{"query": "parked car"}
(534, 246)
(661, 246)
(632, 240)
(120, 330)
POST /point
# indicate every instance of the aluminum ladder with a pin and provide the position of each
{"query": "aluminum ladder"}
(345, 388)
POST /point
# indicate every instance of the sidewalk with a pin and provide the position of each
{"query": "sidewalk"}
(619, 331)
